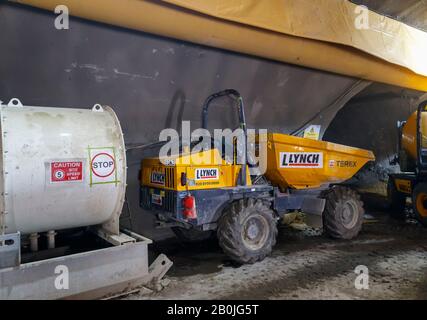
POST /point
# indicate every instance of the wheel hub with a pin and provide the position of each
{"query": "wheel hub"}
(349, 215)
(255, 232)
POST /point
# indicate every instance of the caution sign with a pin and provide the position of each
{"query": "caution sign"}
(66, 171)
(103, 166)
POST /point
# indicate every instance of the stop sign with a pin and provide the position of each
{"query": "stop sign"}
(103, 165)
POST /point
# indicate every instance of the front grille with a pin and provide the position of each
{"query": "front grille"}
(170, 178)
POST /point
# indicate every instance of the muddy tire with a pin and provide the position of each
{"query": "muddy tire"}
(192, 235)
(343, 214)
(396, 200)
(247, 231)
(419, 200)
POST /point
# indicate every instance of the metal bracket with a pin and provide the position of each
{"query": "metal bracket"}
(10, 250)
(115, 239)
(14, 102)
(314, 206)
(157, 271)
(313, 209)
(164, 225)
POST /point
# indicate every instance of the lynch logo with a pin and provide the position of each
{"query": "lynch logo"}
(207, 174)
(301, 160)
(158, 178)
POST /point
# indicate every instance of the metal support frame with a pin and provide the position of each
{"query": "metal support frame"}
(87, 275)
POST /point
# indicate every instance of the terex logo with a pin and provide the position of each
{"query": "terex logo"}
(301, 160)
(207, 174)
(158, 178)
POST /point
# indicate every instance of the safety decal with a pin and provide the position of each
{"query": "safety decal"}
(66, 171)
(301, 160)
(156, 199)
(312, 132)
(103, 166)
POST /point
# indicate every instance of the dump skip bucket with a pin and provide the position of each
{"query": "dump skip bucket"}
(300, 163)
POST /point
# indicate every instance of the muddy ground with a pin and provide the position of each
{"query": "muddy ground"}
(306, 265)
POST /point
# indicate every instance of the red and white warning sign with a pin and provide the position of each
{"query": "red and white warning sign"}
(103, 166)
(66, 171)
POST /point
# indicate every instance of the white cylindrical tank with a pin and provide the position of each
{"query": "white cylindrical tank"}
(60, 168)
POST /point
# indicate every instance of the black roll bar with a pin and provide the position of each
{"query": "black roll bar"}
(242, 121)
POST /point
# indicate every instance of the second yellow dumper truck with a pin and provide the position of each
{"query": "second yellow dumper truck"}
(411, 182)
(223, 199)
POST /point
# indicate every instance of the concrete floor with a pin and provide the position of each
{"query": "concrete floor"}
(306, 265)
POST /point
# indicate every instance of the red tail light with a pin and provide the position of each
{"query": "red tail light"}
(189, 207)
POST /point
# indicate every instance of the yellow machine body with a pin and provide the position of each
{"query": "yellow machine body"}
(292, 162)
(409, 134)
(301, 163)
(411, 181)
(203, 170)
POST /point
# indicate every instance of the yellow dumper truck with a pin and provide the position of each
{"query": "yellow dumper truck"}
(242, 209)
(411, 182)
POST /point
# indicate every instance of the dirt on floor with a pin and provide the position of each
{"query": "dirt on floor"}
(306, 265)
